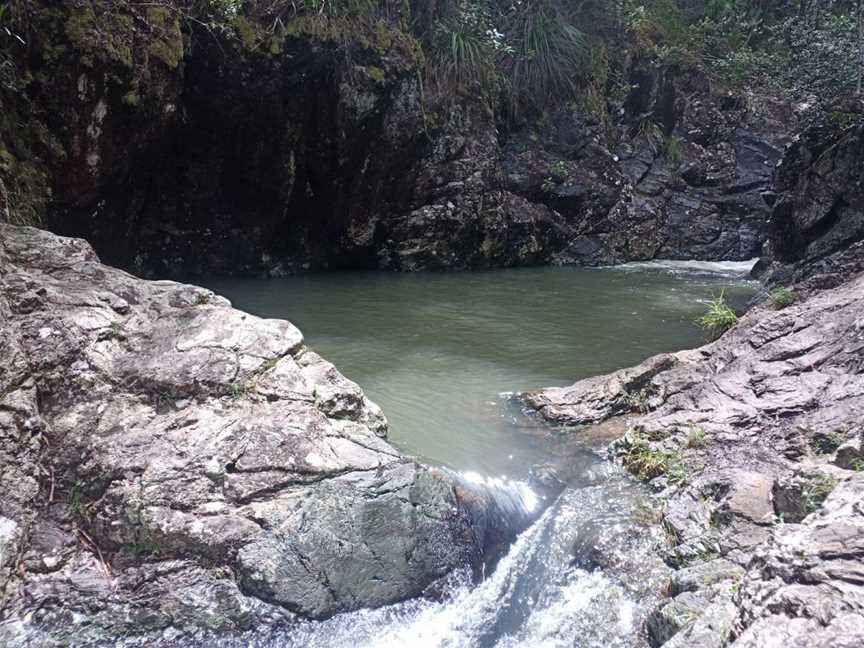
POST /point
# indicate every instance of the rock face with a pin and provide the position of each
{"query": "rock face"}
(687, 179)
(753, 443)
(817, 224)
(274, 147)
(168, 460)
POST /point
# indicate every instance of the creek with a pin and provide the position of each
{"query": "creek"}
(442, 354)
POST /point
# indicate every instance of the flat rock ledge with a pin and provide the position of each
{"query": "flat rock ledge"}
(169, 461)
(753, 448)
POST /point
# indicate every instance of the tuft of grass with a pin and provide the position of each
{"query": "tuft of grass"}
(202, 299)
(817, 491)
(825, 443)
(647, 463)
(672, 150)
(266, 366)
(115, 330)
(718, 319)
(651, 132)
(239, 390)
(548, 53)
(77, 504)
(696, 438)
(782, 297)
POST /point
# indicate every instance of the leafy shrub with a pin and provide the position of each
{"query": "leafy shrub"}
(718, 319)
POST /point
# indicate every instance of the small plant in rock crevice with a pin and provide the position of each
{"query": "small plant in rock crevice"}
(696, 438)
(825, 443)
(639, 401)
(817, 491)
(782, 297)
(557, 175)
(647, 462)
(718, 319)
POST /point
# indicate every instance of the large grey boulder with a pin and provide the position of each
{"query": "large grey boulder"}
(167, 460)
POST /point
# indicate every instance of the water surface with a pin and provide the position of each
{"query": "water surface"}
(437, 351)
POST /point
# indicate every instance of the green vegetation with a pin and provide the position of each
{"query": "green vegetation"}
(647, 462)
(672, 151)
(782, 297)
(696, 438)
(816, 491)
(115, 330)
(76, 500)
(240, 390)
(558, 174)
(718, 319)
(826, 443)
(639, 401)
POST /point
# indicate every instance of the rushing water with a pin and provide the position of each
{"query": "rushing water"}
(439, 353)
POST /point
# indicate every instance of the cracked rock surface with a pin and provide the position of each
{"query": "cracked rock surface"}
(167, 460)
(752, 444)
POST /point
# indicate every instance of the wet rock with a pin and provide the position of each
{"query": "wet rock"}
(596, 399)
(189, 465)
(850, 455)
(806, 586)
(704, 574)
(710, 630)
(749, 498)
(764, 507)
(681, 611)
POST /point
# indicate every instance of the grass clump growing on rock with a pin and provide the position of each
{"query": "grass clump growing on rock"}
(718, 319)
(647, 462)
(696, 438)
(782, 297)
(825, 443)
(817, 491)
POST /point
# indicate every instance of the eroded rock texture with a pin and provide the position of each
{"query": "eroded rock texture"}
(745, 439)
(168, 460)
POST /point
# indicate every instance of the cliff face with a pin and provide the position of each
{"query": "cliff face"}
(179, 146)
(818, 222)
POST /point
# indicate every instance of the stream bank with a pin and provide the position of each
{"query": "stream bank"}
(753, 443)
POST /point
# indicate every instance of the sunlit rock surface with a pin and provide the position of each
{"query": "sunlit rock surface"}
(168, 460)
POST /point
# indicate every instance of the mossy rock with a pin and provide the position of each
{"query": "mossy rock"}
(106, 37)
(168, 44)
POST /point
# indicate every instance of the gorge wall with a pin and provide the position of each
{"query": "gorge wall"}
(180, 147)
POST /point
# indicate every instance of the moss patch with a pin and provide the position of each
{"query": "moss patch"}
(168, 45)
(105, 37)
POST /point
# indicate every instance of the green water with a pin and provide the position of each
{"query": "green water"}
(437, 351)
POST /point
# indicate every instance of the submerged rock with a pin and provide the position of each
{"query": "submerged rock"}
(167, 460)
